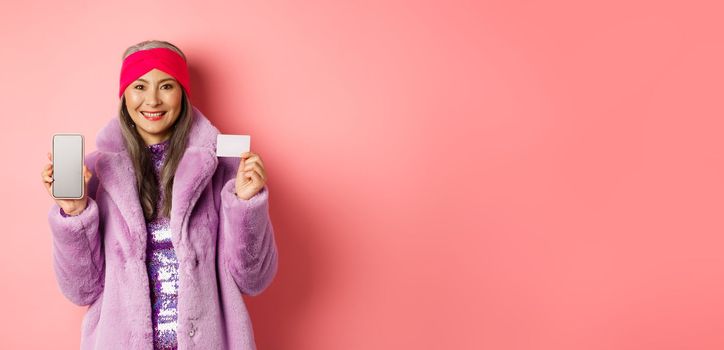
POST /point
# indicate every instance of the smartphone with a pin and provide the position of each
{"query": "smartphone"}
(68, 154)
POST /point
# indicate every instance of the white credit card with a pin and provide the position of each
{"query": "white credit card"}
(232, 145)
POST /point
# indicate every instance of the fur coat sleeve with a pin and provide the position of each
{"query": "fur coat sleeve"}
(77, 249)
(247, 248)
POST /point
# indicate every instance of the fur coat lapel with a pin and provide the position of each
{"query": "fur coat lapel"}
(195, 170)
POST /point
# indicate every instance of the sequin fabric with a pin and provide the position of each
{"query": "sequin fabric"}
(162, 266)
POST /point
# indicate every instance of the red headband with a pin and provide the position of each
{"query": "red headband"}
(166, 60)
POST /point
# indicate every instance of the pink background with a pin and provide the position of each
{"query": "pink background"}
(444, 175)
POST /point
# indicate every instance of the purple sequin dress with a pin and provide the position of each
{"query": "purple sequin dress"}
(162, 266)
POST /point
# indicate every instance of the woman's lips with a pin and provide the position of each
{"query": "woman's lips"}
(153, 116)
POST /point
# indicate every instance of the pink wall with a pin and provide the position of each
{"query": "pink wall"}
(445, 175)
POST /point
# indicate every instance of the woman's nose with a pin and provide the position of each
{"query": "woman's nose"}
(151, 98)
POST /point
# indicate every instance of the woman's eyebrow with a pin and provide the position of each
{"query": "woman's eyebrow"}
(146, 81)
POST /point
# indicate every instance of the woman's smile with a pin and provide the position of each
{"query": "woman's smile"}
(153, 115)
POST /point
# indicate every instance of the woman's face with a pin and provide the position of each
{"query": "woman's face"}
(150, 94)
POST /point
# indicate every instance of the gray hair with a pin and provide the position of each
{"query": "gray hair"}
(152, 44)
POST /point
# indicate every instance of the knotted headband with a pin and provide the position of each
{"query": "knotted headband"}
(141, 62)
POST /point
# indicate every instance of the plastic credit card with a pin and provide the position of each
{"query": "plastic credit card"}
(232, 145)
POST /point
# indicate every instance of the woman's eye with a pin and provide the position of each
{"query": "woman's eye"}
(138, 86)
(167, 85)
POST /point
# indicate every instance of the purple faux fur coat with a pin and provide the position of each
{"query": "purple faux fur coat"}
(225, 248)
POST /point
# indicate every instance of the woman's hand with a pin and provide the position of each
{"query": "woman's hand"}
(251, 177)
(69, 206)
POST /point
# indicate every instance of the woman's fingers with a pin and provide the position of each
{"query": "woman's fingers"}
(254, 163)
(259, 170)
(261, 173)
(87, 175)
(48, 168)
(252, 166)
(248, 157)
(252, 169)
(254, 176)
(47, 173)
(48, 179)
(255, 158)
(47, 176)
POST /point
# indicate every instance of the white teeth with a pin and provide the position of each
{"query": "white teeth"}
(152, 114)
